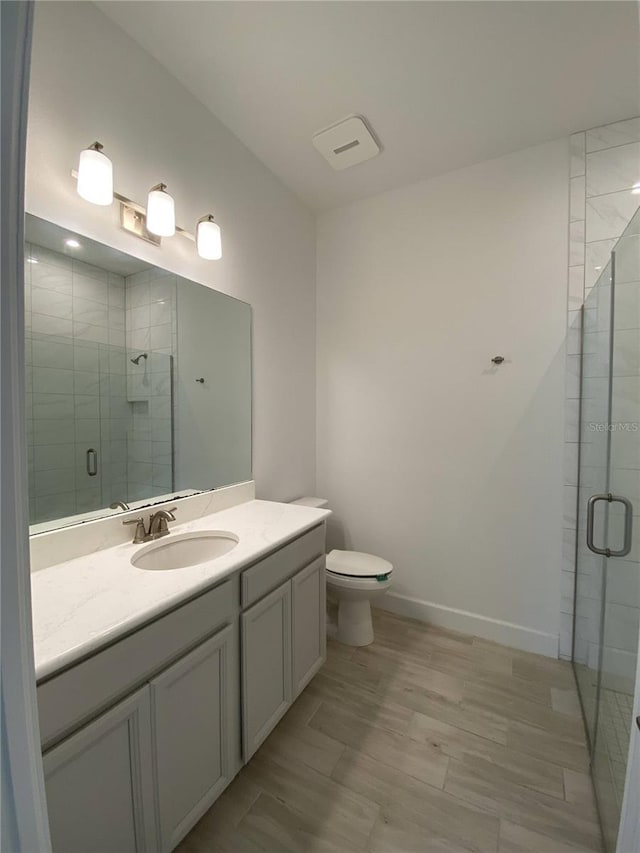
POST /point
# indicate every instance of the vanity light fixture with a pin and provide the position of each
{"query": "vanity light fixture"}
(95, 184)
(208, 240)
(95, 175)
(161, 214)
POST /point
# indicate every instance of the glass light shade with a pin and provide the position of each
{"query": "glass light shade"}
(208, 239)
(161, 215)
(95, 177)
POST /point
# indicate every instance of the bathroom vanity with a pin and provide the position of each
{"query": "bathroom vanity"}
(155, 686)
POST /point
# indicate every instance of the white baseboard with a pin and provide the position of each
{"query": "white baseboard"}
(507, 633)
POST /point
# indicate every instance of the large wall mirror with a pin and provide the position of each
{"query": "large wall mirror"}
(138, 381)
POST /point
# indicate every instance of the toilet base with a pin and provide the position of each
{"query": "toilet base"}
(355, 627)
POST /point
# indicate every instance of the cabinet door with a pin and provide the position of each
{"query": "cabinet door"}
(99, 784)
(308, 591)
(191, 709)
(266, 666)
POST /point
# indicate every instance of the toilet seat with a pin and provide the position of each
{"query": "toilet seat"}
(358, 565)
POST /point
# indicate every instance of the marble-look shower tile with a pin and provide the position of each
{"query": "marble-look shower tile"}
(50, 258)
(116, 298)
(608, 215)
(88, 332)
(138, 317)
(137, 295)
(115, 317)
(116, 337)
(49, 456)
(44, 324)
(597, 256)
(160, 313)
(55, 303)
(576, 243)
(52, 354)
(574, 336)
(576, 198)
(52, 407)
(572, 415)
(83, 270)
(87, 287)
(617, 133)
(627, 305)
(613, 169)
(568, 549)
(52, 380)
(572, 389)
(160, 336)
(86, 382)
(87, 406)
(576, 288)
(577, 147)
(57, 480)
(89, 311)
(569, 513)
(571, 464)
(628, 259)
(567, 581)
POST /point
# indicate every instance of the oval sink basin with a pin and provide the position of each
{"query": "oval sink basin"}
(184, 550)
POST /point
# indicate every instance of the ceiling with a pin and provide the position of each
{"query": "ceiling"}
(443, 84)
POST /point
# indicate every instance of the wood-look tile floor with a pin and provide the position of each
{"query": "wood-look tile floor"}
(427, 740)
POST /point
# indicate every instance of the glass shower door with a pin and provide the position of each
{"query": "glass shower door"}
(593, 472)
(621, 577)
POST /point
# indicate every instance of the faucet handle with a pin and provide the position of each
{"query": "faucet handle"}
(141, 534)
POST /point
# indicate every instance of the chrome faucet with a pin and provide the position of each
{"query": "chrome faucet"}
(120, 505)
(157, 525)
(158, 522)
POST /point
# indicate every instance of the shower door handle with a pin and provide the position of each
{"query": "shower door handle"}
(92, 462)
(628, 524)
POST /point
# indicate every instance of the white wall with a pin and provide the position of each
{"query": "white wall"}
(430, 457)
(90, 81)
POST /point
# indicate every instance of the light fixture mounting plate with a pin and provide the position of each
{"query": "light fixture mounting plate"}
(134, 222)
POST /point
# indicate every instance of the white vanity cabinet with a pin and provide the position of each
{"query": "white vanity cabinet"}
(141, 737)
(266, 667)
(283, 643)
(99, 784)
(192, 708)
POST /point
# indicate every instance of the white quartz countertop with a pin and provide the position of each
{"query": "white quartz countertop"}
(84, 604)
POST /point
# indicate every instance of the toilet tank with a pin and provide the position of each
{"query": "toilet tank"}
(318, 503)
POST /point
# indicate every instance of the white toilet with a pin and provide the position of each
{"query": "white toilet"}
(355, 579)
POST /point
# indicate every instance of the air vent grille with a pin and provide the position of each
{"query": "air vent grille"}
(346, 143)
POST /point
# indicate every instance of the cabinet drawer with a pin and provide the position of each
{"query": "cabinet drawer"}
(68, 699)
(273, 570)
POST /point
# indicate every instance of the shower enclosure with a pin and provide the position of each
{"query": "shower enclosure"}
(607, 588)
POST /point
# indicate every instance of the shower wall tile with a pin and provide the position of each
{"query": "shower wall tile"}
(608, 215)
(576, 198)
(78, 308)
(614, 169)
(577, 148)
(604, 165)
(612, 135)
(576, 243)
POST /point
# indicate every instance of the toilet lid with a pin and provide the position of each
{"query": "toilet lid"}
(357, 565)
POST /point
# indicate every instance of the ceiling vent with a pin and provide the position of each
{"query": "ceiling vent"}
(346, 143)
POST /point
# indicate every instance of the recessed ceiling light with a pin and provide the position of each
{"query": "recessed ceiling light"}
(72, 244)
(635, 189)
